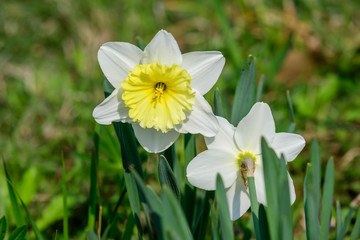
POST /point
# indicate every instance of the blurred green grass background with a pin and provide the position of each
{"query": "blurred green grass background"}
(50, 83)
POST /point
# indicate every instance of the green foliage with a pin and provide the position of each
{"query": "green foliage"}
(245, 92)
(49, 84)
(226, 225)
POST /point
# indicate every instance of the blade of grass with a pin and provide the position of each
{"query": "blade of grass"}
(18, 234)
(327, 199)
(227, 231)
(16, 209)
(244, 97)
(2, 228)
(166, 176)
(93, 197)
(254, 207)
(64, 193)
(233, 48)
(16, 196)
(356, 229)
(31, 220)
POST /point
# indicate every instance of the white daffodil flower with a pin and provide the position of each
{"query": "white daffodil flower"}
(159, 90)
(231, 147)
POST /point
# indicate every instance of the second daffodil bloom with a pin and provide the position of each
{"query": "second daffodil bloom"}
(159, 90)
(231, 146)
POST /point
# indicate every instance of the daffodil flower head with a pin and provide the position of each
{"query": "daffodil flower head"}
(235, 153)
(159, 90)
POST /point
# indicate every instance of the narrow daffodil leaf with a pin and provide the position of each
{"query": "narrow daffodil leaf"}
(134, 199)
(129, 228)
(214, 223)
(316, 173)
(202, 215)
(152, 202)
(270, 162)
(174, 219)
(91, 235)
(244, 97)
(338, 220)
(18, 234)
(260, 88)
(355, 234)
(285, 213)
(189, 192)
(64, 194)
(2, 228)
(226, 224)
(346, 223)
(13, 200)
(254, 207)
(263, 223)
(311, 213)
(108, 88)
(130, 160)
(166, 176)
(327, 200)
(218, 104)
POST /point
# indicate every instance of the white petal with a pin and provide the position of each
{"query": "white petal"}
(117, 59)
(163, 49)
(152, 140)
(203, 169)
(200, 120)
(238, 199)
(291, 190)
(112, 109)
(258, 122)
(224, 139)
(204, 68)
(260, 185)
(288, 144)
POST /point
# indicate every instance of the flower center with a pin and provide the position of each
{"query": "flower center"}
(246, 162)
(158, 96)
(159, 90)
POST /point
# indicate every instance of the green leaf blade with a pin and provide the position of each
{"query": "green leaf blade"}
(245, 92)
(226, 224)
(18, 234)
(166, 176)
(327, 199)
